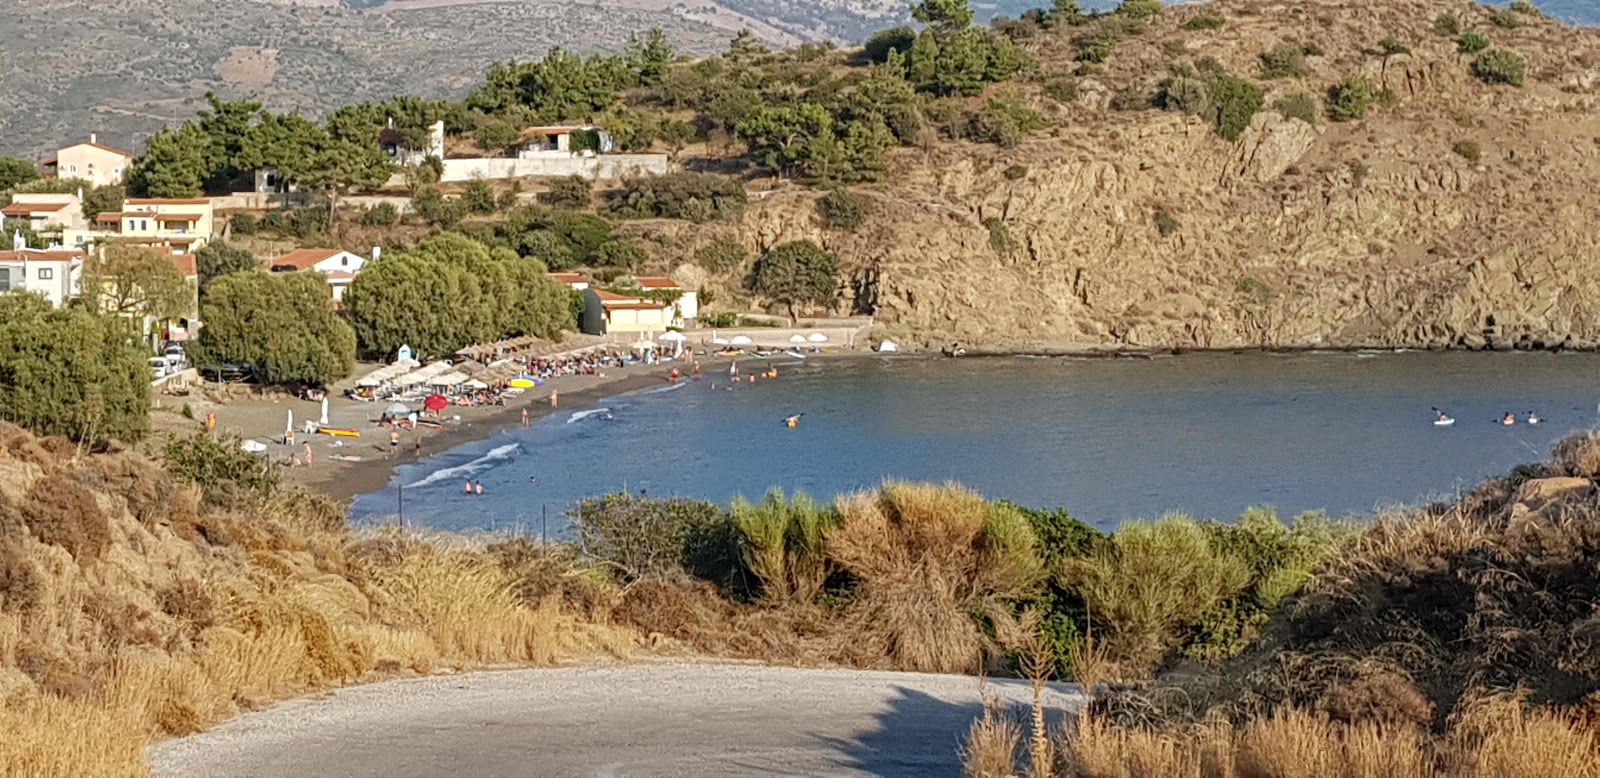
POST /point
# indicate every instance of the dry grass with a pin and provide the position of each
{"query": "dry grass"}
(119, 625)
(991, 748)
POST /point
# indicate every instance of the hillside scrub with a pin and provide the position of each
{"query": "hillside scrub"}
(1454, 639)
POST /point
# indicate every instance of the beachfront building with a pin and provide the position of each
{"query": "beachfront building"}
(52, 274)
(176, 226)
(98, 164)
(577, 281)
(687, 303)
(340, 267)
(610, 312)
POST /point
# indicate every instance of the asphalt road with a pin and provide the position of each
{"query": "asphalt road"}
(655, 719)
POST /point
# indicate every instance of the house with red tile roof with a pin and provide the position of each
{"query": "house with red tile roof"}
(340, 267)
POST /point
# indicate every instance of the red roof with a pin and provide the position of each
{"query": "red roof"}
(40, 256)
(302, 259)
(108, 216)
(622, 302)
(656, 282)
(178, 217)
(27, 209)
(187, 264)
(340, 275)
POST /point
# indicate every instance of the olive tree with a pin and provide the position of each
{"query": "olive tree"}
(283, 324)
(797, 273)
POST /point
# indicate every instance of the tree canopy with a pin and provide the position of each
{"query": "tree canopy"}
(449, 292)
(797, 273)
(219, 258)
(14, 171)
(126, 280)
(283, 324)
(70, 372)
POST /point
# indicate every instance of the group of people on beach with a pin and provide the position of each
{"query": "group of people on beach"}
(586, 364)
(734, 378)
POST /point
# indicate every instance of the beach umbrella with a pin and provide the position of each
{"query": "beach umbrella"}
(436, 402)
(888, 345)
(324, 411)
(675, 337)
(288, 426)
(475, 384)
(741, 340)
(719, 341)
(817, 337)
(397, 409)
(797, 338)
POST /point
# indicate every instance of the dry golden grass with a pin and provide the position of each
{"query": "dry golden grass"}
(119, 625)
(990, 750)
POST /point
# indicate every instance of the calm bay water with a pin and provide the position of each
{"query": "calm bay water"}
(1107, 439)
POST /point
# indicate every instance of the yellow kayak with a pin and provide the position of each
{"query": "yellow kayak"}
(339, 432)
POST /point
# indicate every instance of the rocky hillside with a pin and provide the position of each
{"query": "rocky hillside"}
(1458, 214)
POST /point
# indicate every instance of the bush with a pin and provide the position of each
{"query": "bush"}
(1062, 90)
(1300, 105)
(1139, 9)
(381, 215)
(1526, 8)
(842, 209)
(1015, 172)
(225, 473)
(1447, 24)
(1004, 121)
(1349, 99)
(1205, 22)
(722, 255)
(647, 538)
(275, 221)
(1285, 60)
(1505, 18)
(1166, 222)
(1468, 150)
(999, 236)
(1130, 99)
(1500, 66)
(622, 255)
(567, 192)
(479, 197)
(1389, 47)
(242, 223)
(70, 372)
(1472, 42)
(1226, 101)
(308, 221)
(783, 544)
(883, 42)
(695, 197)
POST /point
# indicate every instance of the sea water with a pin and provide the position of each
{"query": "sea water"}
(1107, 439)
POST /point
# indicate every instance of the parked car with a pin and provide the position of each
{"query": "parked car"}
(232, 372)
(163, 366)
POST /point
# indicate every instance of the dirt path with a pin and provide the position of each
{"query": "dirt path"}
(657, 720)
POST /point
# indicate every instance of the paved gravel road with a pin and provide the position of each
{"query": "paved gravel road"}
(654, 719)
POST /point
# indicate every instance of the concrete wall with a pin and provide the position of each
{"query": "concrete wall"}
(604, 166)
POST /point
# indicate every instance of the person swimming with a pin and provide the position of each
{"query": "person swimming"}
(1508, 419)
(793, 421)
(1533, 418)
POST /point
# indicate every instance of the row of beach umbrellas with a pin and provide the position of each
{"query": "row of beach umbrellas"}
(744, 340)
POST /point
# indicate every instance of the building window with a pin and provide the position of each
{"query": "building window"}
(344, 261)
(117, 172)
(45, 273)
(5, 279)
(72, 168)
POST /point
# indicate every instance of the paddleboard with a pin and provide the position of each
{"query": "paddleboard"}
(339, 432)
(1443, 422)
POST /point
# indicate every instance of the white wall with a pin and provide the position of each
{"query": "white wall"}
(607, 166)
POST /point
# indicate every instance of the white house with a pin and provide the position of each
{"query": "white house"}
(688, 303)
(54, 274)
(340, 267)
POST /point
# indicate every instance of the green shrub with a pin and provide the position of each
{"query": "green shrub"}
(574, 192)
(1526, 8)
(842, 209)
(1447, 25)
(883, 42)
(1150, 584)
(1004, 121)
(225, 473)
(1205, 22)
(243, 223)
(308, 221)
(1139, 9)
(1500, 66)
(1061, 611)
(784, 544)
(1472, 42)
(722, 255)
(1130, 99)
(275, 221)
(381, 215)
(1235, 101)
(1095, 50)
(695, 197)
(479, 197)
(1166, 222)
(1468, 150)
(1300, 105)
(999, 236)
(1389, 47)
(1062, 90)
(621, 254)
(1505, 18)
(1349, 99)
(1015, 172)
(1312, 50)
(1285, 60)
(646, 538)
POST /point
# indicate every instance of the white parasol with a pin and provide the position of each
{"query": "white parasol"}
(324, 420)
(817, 337)
(797, 338)
(741, 340)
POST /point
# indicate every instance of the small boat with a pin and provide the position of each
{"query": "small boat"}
(340, 432)
(794, 353)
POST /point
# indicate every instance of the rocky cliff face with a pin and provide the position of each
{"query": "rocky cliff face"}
(1147, 229)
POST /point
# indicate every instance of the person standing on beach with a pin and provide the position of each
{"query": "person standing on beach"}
(555, 400)
(416, 448)
(308, 452)
(394, 442)
(525, 415)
